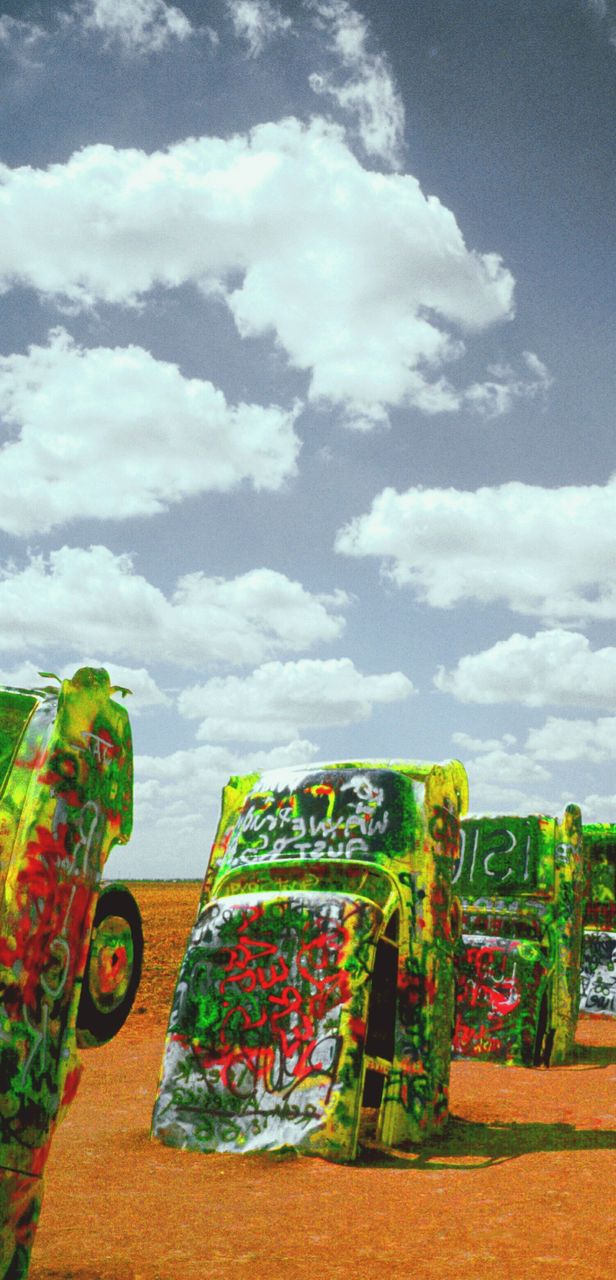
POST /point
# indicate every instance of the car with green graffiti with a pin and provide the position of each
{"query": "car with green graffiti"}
(598, 980)
(315, 1000)
(522, 883)
(70, 948)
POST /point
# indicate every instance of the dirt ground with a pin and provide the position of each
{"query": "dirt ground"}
(521, 1187)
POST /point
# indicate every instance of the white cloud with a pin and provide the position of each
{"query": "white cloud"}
(195, 772)
(503, 769)
(18, 34)
(357, 274)
(560, 739)
(177, 804)
(256, 22)
(497, 394)
(111, 433)
(93, 601)
(279, 700)
(504, 781)
(599, 808)
(139, 26)
(368, 91)
(144, 691)
(20, 44)
(554, 556)
(493, 796)
(469, 745)
(554, 667)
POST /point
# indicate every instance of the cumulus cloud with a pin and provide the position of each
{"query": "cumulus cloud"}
(367, 91)
(138, 26)
(93, 601)
(256, 22)
(360, 278)
(17, 35)
(554, 556)
(111, 433)
(470, 745)
(165, 781)
(279, 700)
(493, 797)
(568, 739)
(177, 804)
(502, 768)
(599, 808)
(502, 780)
(554, 667)
(497, 394)
(144, 691)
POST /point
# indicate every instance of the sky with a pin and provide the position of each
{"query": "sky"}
(307, 383)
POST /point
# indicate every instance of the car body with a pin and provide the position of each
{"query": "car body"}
(522, 885)
(65, 800)
(315, 997)
(598, 979)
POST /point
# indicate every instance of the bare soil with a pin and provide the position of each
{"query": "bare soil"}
(520, 1188)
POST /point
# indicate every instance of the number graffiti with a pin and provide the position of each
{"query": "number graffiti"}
(496, 858)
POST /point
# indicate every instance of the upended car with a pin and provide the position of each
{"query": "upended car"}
(314, 1003)
(522, 882)
(598, 980)
(70, 948)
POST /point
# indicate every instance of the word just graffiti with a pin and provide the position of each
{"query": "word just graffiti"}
(332, 823)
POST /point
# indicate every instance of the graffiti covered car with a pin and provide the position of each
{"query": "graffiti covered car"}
(65, 800)
(522, 884)
(598, 979)
(316, 992)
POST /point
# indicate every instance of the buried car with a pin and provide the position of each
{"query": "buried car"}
(522, 884)
(65, 800)
(316, 992)
(598, 980)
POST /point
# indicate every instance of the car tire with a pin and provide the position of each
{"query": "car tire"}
(113, 968)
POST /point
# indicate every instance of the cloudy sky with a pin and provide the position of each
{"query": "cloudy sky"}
(307, 383)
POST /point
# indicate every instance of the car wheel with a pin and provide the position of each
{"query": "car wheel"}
(113, 968)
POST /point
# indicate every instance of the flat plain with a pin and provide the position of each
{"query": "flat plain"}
(520, 1188)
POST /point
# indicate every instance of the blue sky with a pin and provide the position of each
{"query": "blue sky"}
(307, 388)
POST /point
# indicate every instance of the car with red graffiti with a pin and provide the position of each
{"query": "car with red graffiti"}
(522, 882)
(598, 980)
(315, 1000)
(70, 949)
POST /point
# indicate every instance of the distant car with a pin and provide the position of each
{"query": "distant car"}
(598, 981)
(522, 883)
(315, 998)
(70, 950)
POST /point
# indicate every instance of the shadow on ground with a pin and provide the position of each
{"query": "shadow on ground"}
(469, 1144)
(597, 1055)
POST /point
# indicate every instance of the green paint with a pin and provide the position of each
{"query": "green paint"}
(321, 963)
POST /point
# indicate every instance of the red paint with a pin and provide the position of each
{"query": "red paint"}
(292, 1017)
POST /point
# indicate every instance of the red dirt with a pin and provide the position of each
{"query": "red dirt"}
(521, 1188)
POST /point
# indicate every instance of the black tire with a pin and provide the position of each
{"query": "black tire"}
(116, 953)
